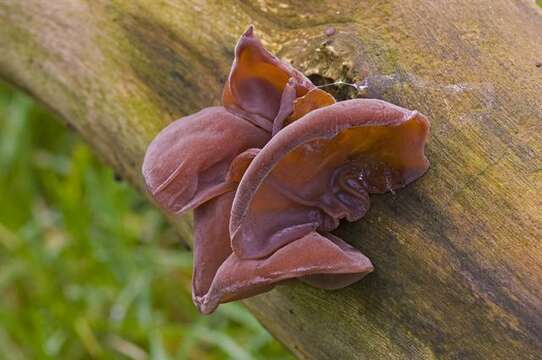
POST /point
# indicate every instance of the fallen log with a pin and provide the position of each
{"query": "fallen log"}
(457, 255)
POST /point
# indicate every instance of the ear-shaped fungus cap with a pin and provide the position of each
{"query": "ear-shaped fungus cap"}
(211, 233)
(220, 276)
(314, 99)
(188, 162)
(211, 243)
(257, 80)
(321, 168)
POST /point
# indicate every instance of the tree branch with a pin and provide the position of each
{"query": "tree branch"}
(458, 255)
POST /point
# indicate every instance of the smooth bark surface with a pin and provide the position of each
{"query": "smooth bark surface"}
(457, 255)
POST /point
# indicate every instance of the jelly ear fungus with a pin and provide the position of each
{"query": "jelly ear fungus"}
(271, 172)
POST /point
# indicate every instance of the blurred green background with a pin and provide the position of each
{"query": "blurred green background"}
(88, 269)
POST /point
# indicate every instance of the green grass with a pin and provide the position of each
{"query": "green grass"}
(87, 268)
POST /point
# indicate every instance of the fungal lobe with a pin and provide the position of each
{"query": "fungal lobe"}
(188, 162)
(314, 99)
(257, 80)
(321, 168)
(221, 276)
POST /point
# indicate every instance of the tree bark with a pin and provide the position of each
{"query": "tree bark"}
(458, 255)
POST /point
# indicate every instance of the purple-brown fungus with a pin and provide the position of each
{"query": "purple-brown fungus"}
(272, 172)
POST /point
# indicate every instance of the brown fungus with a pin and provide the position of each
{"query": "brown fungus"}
(221, 276)
(188, 162)
(257, 80)
(321, 168)
(271, 172)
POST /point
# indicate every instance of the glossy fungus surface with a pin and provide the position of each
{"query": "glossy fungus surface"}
(273, 171)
